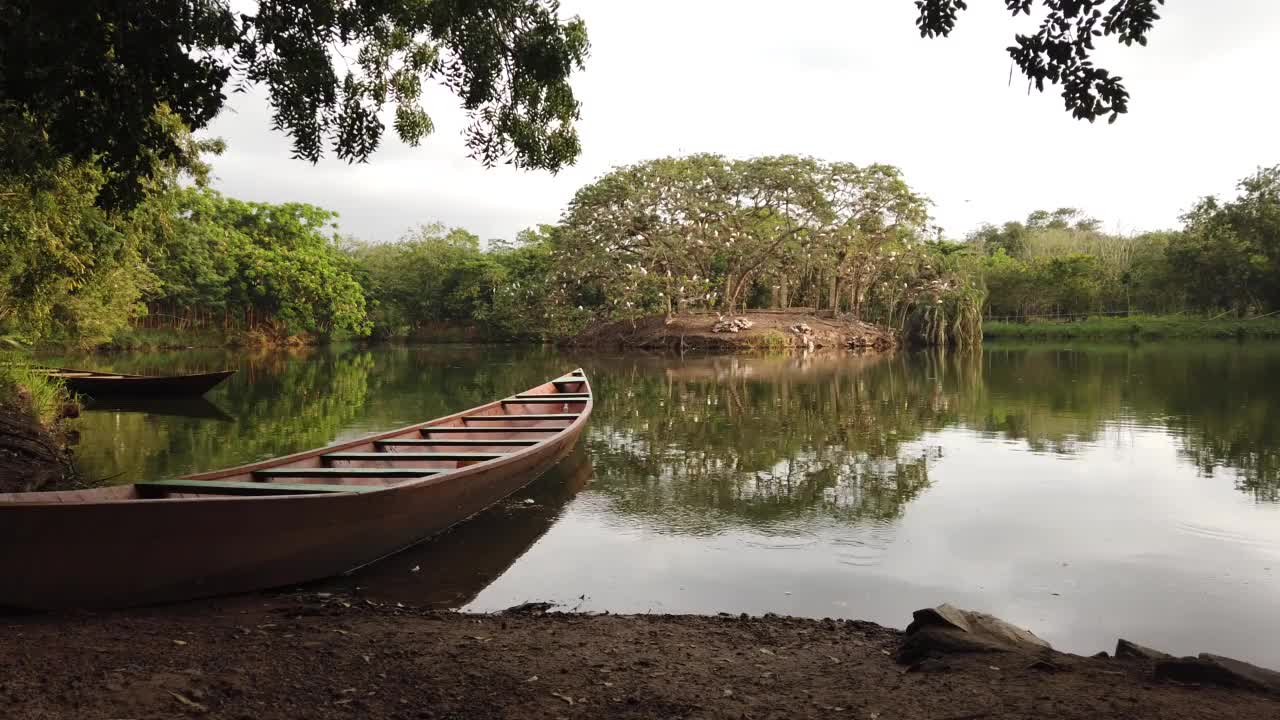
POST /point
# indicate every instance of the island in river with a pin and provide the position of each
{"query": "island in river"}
(750, 331)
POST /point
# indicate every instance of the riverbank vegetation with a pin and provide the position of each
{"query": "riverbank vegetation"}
(32, 447)
(698, 234)
(1139, 327)
(1059, 275)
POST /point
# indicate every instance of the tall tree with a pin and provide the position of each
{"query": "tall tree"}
(71, 270)
(91, 74)
(1229, 255)
(1060, 51)
(704, 229)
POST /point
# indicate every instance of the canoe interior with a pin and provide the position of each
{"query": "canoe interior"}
(428, 451)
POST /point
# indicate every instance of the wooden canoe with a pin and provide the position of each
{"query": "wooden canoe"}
(279, 522)
(94, 384)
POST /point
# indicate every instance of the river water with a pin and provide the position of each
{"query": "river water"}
(1085, 492)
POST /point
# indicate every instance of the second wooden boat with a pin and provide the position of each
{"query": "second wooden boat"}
(94, 384)
(296, 518)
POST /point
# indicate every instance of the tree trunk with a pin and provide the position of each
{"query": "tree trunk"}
(736, 290)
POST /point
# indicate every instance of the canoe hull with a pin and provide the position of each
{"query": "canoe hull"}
(121, 546)
(169, 385)
(115, 555)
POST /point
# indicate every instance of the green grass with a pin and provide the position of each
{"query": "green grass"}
(32, 392)
(772, 340)
(135, 338)
(1139, 327)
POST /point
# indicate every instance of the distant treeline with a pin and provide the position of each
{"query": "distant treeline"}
(672, 235)
(696, 233)
(1225, 260)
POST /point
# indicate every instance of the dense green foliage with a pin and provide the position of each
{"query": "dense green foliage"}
(1229, 255)
(74, 273)
(687, 234)
(705, 231)
(90, 76)
(70, 270)
(436, 280)
(693, 234)
(276, 267)
(30, 393)
(1060, 51)
(1225, 260)
(1139, 327)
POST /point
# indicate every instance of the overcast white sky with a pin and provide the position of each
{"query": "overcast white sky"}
(848, 81)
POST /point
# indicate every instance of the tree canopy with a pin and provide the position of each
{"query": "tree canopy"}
(1225, 258)
(705, 231)
(90, 76)
(1060, 51)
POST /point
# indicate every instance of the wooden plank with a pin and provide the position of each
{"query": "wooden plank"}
(457, 443)
(402, 457)
(216, 487)
(530, 416)
(556, 396)
(456, 429)
(348, 472)
(544, 400)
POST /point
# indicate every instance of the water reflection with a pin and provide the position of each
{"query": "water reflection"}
(1087, 492)
(449, 571)
(175, 406)
(753, 437)
(768, 443)
(1220, 401)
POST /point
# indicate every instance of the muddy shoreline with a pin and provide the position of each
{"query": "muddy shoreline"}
(753, 331)
(320, 655)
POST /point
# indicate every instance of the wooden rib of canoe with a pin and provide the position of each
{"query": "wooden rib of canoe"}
(89, 382)
(279, 522)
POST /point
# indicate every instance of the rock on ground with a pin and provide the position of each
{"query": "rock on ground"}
(1212, 669)
(944, 630)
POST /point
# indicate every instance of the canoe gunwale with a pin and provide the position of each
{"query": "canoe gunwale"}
(543, 445)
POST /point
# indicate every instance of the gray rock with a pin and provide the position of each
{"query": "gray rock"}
(1211, 669)
(930, 665)
(1132, 650)
(946, 629)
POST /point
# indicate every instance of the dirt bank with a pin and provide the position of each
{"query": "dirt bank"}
(32, 457)
(307, 656)
(768, 330)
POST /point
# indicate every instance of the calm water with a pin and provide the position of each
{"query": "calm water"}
(1086, 493)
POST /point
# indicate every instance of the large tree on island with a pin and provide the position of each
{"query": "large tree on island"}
(703, 230)
(91, 75)
(1060, 51)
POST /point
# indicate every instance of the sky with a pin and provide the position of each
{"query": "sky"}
(849, 81)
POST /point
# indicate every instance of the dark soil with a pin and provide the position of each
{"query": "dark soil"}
(771, 330)
(32, 457)
(308, 656)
